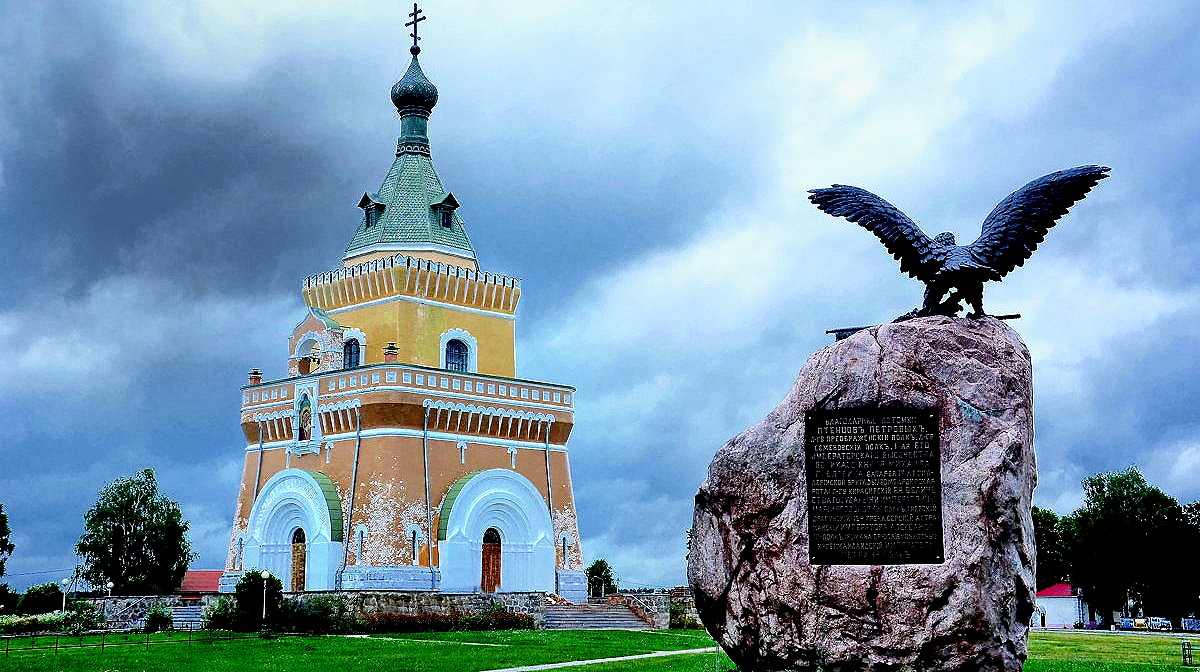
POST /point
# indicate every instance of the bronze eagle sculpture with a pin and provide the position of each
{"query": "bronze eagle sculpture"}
(1010, 235)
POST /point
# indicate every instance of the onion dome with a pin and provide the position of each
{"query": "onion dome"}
(414, 89)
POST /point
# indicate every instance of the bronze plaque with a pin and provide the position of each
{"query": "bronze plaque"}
(874, 486)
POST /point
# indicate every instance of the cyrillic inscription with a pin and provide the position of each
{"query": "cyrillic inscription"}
(874, 486)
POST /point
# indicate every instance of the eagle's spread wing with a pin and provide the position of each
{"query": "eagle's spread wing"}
(1016, 226)
(919, 256)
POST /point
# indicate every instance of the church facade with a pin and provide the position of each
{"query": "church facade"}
(402, 452)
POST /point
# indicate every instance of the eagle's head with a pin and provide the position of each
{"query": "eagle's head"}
(945, 238)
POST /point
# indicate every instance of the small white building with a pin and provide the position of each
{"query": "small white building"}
(1059, 606)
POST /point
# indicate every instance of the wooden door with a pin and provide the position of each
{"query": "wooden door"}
(490, 581)
(299, 560)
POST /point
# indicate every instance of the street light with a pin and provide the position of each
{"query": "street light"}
(109, 585)
(265, 575)
(64, 583)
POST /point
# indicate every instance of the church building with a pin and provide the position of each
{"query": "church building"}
(401, 451)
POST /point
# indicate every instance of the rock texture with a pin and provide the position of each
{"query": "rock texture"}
(770, 609)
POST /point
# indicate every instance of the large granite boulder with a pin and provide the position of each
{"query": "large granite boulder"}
(770, 608)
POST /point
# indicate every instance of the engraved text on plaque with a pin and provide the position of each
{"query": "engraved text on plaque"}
(874, 486)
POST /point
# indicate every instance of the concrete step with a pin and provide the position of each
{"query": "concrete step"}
(589, 617)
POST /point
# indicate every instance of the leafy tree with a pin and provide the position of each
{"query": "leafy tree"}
(1126, 545)
(248, 599)
(136, 537)
(600, 578)
(6, 545)
(1051, 563)
(41, 599)
(1192, 512)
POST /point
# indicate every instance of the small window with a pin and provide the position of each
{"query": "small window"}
(447, 217)
(456, 355)
(351, 353)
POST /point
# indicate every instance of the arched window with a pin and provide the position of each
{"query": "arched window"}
(350, 354)
(457, 355)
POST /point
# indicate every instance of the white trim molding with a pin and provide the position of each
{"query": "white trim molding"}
(467, 339)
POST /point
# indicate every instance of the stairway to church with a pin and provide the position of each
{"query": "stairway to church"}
(187, 618)
(592, 617)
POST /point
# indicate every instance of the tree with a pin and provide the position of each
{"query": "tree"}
(600, 578)
(1051, 564)
(248, 597)
(6, 545)
(41, 599)
(1126, 547)
(136, 537)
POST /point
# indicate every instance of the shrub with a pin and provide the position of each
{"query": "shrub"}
(491, 620)
(248, 600)
(41, 599)
(158, 619)
(16, 625)
(222, 615)
(680, 620)
(82, 616)
(322, 615)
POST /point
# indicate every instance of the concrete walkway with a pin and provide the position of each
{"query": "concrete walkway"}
(618, 659)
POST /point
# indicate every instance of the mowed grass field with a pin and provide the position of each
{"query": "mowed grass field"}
(477, 651)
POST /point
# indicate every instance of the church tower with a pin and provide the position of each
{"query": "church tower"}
(402, 452)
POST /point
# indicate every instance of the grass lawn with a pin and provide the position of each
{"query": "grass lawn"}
(467, 651)
(474, 651)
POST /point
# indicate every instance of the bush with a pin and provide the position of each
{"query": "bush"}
(679, 619)
(491, 620)
(40, 599)
(248, 600)
(17, 625)
(81, 617)
(222, 615)
(322, 615)
(158, 619)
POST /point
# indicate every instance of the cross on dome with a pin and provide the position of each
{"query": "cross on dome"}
(416, 18)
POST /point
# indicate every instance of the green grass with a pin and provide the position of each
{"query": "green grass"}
(171, 652)
(380, 653)
(1080, 652)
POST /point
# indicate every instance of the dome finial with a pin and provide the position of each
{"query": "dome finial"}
(414, 93)
(416, 18)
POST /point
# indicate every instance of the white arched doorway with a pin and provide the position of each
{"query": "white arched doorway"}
(296, 505)
(509, 504)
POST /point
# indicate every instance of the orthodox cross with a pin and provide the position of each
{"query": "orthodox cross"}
(416, 18)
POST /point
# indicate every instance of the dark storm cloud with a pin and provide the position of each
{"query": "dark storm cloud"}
(170, 173)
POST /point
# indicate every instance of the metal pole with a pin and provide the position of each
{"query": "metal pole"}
(428, 510)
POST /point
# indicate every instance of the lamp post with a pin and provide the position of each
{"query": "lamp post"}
(64, 583)
(265, 575)
(109, 585)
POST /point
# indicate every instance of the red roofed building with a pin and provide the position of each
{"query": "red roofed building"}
(1059, 606)
(199, 582)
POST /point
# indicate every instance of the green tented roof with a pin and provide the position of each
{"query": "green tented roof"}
(408, 194)
(448, 503)
(334, 501)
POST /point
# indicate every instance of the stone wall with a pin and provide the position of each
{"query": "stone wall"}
(653, 608)
(363, 603)
(126, 609)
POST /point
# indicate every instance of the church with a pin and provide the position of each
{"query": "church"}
(402, 452)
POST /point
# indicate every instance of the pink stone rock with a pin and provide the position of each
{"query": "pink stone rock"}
(756, 591)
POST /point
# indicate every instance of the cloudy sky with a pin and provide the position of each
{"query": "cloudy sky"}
(170, 172)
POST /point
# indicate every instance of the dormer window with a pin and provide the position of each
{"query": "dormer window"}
(444, 209)
(371, 208)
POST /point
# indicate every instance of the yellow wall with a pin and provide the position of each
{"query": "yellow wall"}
(417, 328)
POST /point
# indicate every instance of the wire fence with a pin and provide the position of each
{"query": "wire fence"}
(102, 639)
